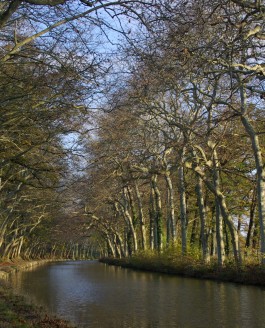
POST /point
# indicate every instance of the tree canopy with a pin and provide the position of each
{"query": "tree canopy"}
(135, 125)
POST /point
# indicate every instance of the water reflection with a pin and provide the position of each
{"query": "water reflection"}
(92, 294)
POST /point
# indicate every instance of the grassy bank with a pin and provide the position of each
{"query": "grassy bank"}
(15, 312)
(251, 274)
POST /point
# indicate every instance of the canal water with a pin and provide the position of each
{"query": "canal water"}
(94, 295)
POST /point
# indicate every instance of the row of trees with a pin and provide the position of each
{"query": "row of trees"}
(49, 74)
(34, 116)
(178, 158)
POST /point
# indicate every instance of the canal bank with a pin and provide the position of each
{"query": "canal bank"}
(91, 294)
(9, 266)
(15, 311)
(251, 274)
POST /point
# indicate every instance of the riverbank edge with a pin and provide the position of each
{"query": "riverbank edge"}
(10, 266)
(15, 310)
(246, 275)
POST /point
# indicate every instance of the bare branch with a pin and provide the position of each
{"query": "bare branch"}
(4, 17)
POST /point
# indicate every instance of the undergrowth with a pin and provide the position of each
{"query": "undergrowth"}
(191, 265)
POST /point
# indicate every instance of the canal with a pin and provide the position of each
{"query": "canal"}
(92, 294)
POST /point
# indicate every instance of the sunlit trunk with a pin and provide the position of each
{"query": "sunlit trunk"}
(224, 211)
(129, 219)
(183, 207)
(260, 181)
(202, 213)
(260, 168)
(219, 219)
(171, 220)
(158, 212)
(141, 217)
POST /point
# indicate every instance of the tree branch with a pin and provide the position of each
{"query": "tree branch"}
(4, 17)
(19, 45)
(46, 2)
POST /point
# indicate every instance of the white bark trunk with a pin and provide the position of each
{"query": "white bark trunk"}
(129, 219)
(219, 222)
(260, 167)
(224, 211)
(141, 217)
(202, 212)
(171, 209)
(183, 208)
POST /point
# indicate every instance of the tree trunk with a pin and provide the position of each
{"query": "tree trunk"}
(219, 219)
(202, 213)
(224, 211)
(260, 167)
(251, 218)
(141, 217)
(183, 208)
(219, 235)
(171, 220)
(120, 244)
(152, 218)
(158, 213)
(110, 245)
(129, 220)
